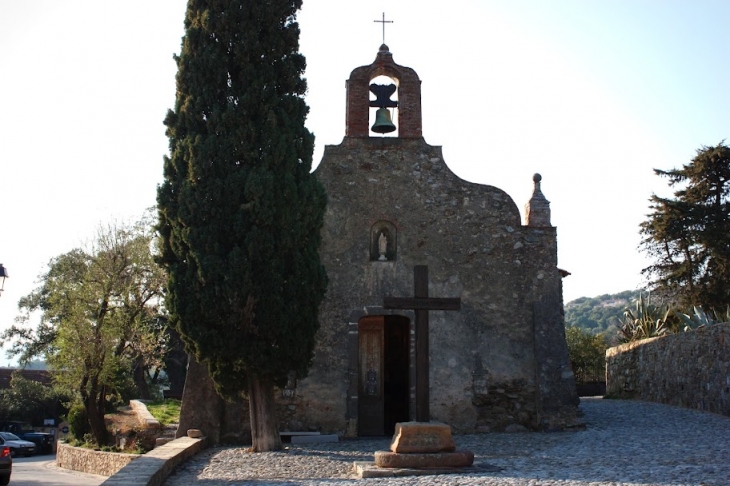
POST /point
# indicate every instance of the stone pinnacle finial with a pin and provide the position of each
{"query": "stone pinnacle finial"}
(537, 209)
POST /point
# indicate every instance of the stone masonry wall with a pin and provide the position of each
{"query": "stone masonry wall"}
(484, 374)
(690, 369)
(500, 363)
(221, 421)
(90, 461)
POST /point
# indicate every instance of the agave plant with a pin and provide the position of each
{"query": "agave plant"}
(700, 318)
(645, 321)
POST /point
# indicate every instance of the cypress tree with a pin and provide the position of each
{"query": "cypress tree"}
(240, 213)
(689, 234)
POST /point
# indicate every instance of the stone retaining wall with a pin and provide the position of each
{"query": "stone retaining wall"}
(154, 467)
(98, 462)
(90, 461)
(690, 369)
(146, 419)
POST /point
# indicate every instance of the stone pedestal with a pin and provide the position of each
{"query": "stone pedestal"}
(424, 460)
(423, 446)
(422, 437)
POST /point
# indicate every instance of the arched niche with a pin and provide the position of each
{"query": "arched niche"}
(383, 242)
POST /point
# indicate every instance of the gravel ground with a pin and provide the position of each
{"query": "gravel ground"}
(626, 443)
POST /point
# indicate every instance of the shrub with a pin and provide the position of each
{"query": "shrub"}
(78, 422)
(587, 354)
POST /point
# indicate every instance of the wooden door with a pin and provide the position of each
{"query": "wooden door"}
(370, 389)
(383, 390)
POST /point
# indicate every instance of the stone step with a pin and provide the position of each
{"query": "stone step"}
(368, 469)
(424, 460)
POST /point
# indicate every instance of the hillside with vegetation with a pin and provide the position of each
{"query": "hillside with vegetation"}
(592, 325)
(600, 314)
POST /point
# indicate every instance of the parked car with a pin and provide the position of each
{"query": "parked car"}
(18, 446)
(43, 442)
(6, 465)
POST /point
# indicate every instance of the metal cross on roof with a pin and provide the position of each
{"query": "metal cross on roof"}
(384, 22)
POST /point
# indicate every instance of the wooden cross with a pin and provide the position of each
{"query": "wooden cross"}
(383, 22)
(421, 303)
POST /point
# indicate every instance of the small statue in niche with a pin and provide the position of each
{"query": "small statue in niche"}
(382, 246)
(383, 242)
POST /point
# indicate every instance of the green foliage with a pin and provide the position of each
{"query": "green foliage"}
(99, 310)
(139, 443)
(240, 213)
(700, 318)
(78, 422)
(626, 317)
(688, 236)
(600, 314)
(647, 320)
(107, 448)
(30, 401)
(165, 411)
(587, 354)
(87, 442)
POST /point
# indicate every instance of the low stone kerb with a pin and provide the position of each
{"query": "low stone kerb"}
(144, 416)
(153, 468)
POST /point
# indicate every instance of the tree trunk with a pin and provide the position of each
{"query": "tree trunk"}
(95, 417)
(96, 421)
(176, 364)
(264, 424)
(140, 381)
(101, 401)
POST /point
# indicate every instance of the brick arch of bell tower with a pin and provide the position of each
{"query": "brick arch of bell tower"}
(358, 97)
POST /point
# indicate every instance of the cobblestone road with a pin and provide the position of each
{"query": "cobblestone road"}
(626, 443)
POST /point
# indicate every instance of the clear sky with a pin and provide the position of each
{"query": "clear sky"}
(590, 94)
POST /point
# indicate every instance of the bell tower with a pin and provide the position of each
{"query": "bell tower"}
(408, 86)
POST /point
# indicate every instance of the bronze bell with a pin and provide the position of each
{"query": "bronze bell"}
(383, 123)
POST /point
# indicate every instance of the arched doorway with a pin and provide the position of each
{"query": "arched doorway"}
(383, 384)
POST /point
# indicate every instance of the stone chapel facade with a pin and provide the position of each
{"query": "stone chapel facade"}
(501, 360)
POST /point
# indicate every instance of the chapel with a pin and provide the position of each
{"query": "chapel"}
(442, 303)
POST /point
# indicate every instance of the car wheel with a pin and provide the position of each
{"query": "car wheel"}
(12, 454)
(4, 480)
